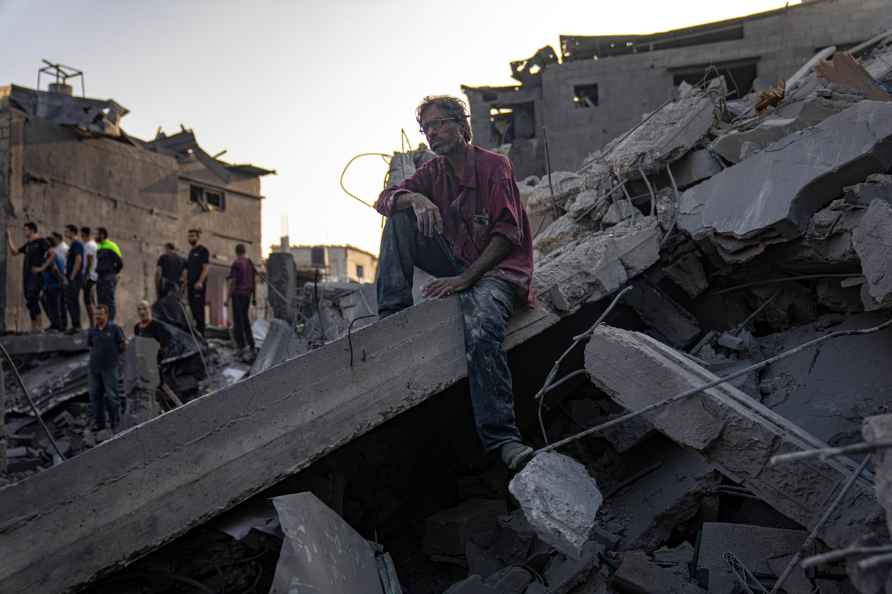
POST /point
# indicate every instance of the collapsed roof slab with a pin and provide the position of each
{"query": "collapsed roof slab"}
(89, 515)
(730, 430)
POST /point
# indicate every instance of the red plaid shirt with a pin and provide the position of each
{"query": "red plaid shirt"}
(484, 203)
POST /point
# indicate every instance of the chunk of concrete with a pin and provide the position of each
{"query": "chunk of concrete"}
(595, 266)
(871, 241)
(447, 533)
(695, 167)
(638, 574)
(659, 312)
(141, 379)
(561, 232)
(321, 552)
(281, 343)
(563, 575)
(730, 430)
(755, 547)
(44, 342)
(770, 197)
(878, 429)
(282, 279)
(559, 499)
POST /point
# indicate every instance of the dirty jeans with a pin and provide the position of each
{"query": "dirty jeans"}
(241, 321)
(104, 396)
(486, 308)
(197, 300)
(105, 293)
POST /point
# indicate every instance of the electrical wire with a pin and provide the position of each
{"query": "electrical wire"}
(384, 156)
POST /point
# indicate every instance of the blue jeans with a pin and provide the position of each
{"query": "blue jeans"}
(486, 308)
(104, 396)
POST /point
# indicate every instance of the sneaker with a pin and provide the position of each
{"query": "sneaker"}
(515, 455)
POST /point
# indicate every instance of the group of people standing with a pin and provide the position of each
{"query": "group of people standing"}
(62, 270)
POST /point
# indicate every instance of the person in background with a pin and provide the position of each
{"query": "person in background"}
(34, 250)
(89, 272)
(74, 276)
(168, 272)
(149, 328)
(196, 274)
(242, 291)
(108, 265)
(53, 270)
(62, 249)
(107, 344)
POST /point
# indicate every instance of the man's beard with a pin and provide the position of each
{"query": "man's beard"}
(446, 147)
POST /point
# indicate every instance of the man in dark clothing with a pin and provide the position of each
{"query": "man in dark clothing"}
(460, 218)
(168, 272)
(196, 274)
(53, 271)
(149, 328)
(106, 342)
(242, 287)
(74, 275)
(109, 264)
(34, 250)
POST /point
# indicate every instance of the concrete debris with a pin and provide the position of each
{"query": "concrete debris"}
(670, 322)
(44, 343)
(870, 240)
(761, 550)
(559, 499)
(639, 574)
(878, 429)
(448, 532)
(280, 344)
(321, 552)
(794, 179)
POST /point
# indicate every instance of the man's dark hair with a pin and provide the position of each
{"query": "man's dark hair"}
(102, 230)
(57, 236)
(86, 231)
(240, 249)
(31, 226)
(170, 246)
(52, 240)
(453, 107)
(72, 228)
(195, 231)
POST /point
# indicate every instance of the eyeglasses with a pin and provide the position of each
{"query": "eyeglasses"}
(435, 124)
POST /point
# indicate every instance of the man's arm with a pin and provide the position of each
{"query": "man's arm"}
(122, 341)
(50, 256)
(90, 258)
(414, 193)
(77, 266)
(13, 250)
(496, 250)
(253, 284)
(203, 276)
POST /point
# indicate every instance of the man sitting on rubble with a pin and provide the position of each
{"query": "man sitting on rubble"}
(459, 218)
(34, 250)
(107, 343)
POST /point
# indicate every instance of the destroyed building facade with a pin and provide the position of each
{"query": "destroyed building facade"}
(336, 263)
(603, 84)
(65, 160)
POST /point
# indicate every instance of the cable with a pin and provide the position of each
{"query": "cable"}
(31, 401)
(347, 166)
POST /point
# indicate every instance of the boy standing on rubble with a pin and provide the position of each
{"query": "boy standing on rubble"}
(107, 344)
(459, 218)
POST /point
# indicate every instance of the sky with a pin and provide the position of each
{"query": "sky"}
(302, 86)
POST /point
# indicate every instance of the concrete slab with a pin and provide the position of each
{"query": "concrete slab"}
(638, 574)
(158, 480)
(770, 197)
(595, 266)
(730, 430)
(871, 241)
(321, 553)
(559, 499)
(659, 312)
(44, 342)
(447, 533)
(280, 344)
(879, 429)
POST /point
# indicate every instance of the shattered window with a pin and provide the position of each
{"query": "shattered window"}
(585, 96)
(208, 199)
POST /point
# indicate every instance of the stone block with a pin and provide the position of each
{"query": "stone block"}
(871, 242)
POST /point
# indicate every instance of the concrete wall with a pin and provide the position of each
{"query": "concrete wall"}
(632, 85)
(137, 194)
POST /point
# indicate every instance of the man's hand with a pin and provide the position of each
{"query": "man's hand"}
(426, 212)
(444, 287)
(198, 285)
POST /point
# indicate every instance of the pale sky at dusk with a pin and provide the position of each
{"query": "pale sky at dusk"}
(302, 86)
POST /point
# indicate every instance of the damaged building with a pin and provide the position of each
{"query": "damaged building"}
(66, 160)
(337, 263)
(598, 86)
(705, 379)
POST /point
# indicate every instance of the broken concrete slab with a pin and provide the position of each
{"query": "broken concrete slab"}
(667, 319)
(770, 197)
(280, 344)
(559, 499)
(638, 574)
(755, 547)
(871, 242)
(829, 391)
(563, 575)
(198, 460)
(729, 429)
(321, 552)
(447, 533)
(281, 275)
(596, 266)
(563, 231)
(141, 379)
(55, 381)
(651, 507)
(44, 342)
(878, 429)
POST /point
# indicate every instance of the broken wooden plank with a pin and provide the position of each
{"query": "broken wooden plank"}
(75, 521)
(729, 429)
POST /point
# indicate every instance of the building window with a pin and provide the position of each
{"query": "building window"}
(739, 75)
(317, 257)
(585, 96)
(509, 122)
(208, 199)
(360, 271)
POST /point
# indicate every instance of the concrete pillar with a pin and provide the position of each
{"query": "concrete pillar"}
(282, 279)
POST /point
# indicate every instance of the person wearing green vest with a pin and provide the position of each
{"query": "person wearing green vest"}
(109, 264)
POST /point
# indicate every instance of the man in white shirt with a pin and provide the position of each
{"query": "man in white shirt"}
(90, 273)
(62, 249)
